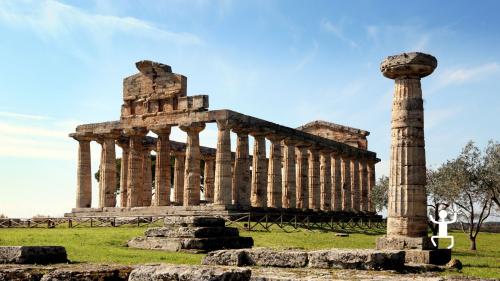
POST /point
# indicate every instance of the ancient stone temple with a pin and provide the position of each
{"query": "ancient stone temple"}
(320, 166)
(407, 208)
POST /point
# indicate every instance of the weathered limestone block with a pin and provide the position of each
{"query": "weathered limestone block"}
(191, 244)
(257, 257)
(195, 221)
(33, 254)
(436, 256)
(356, 259)
(191, 232)
(89, 273)
(183, 272)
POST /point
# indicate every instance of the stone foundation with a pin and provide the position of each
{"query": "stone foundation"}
(437, 256)
(33, 254)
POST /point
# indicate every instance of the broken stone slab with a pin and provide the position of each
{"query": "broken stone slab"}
(197, 221)
(332, 258)
(257, 257)
(166, 272)
(195, 244)
(89, 273)
(356, 259)
(191, 232)
(33, 254)
(437, 256)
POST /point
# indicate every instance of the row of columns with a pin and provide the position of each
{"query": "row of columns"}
(296, 175)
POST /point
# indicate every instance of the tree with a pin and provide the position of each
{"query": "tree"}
(491, 171)
(378, 195)
(462, 183)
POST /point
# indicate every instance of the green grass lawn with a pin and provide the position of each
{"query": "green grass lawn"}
(108, 245)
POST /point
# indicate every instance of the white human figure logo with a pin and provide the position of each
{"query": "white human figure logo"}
(443, 227)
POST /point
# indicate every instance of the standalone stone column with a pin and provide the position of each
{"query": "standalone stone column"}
(107, 192)
(147, 177)
(336, 182)
(259, 171)
(223, 174)
(162, 172)
(289, 175)
(346, 184)
(407, 208)
(135, 171)
(209, 177)
(274, 178)
(124, 172)
(84, 177)
(314, 184)
(302, 177)
(325, 180)
(192, 168)
(355, 190)
(363, 176)
(371, 184)
(241, 176)
(179, 177)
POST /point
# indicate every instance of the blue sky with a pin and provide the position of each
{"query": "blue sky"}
(289, 62)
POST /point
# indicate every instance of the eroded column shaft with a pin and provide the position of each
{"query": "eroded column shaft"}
(289, 176)
(274, 178)
(147, 188)
(259, 172)
(162, 172)
(363, 176)
(223, 175)
(302, 178)
(346, 184)
(313, 176)
(325, 181)
(134, 180)
(371, 185)
(336, 182)
(355, 191)
(192, 166)
(124, 175)
(209, 179)
(241, 178)
(84, 177)
(179, 178)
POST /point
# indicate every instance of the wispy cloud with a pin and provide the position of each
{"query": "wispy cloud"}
(410, 37)
(22, 116)
(55, 20)
(466, 74)
(308, 57)
(433, 118)
(338, 31)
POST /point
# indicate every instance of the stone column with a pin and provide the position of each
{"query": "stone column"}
(289, 175)
(241, 177)
(223, 174)
(179, 177)
(407, 208)
(107, 192)
(337, 182)
(147, 177)
(363, 176)
(209, 177)
(162, 172)
(302, 177)
(346, 184)
(134, 180)
(314, 184)
(124, 171)
(325, 180)
(259, 171)
(84, 177)
(371, 184)
(274, 178)
(355, 191)
(192, 167)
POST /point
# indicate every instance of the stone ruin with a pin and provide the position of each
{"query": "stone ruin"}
(320, 166)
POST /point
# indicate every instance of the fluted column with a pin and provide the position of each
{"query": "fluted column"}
(147, 187)
(302, 181)
(325, 180)
(371, 184)
(135, 181)
(179, 177)
(363, 176)
(274, 178)
(314, 184)
(124, 171)
(192, 166)
(289, 175)
(346, 184)
(355, 191)
(209, 179)
(223, 174)
(336, 182)
(107, 192)
(259, 171)
(241, 177)
(84, 177)
(162, 172)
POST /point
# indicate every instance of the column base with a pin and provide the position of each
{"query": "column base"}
(417, 249)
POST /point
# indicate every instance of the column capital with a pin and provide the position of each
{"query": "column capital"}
(413, 65)
(290, 141)
(192, 127)
(161, 130)
(82, 136)
(225, 123)
(274, 138)
(259, 132)
(136, 131)
(241, 130)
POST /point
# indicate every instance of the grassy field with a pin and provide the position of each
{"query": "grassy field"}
(108, 245)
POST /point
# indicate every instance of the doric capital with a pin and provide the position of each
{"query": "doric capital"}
(161, 130)
(408, 65)
(192, 127)
(136, 131)
(290, 141)
(226, 123)
(82, 136)
(274, 138)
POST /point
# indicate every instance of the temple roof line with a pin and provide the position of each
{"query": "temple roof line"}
(334, 126)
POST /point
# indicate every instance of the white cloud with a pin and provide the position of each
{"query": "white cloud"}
(308, 57)
(337, 30)
(53, 20)
(22, 115)
(467, 74)
(436, 117)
